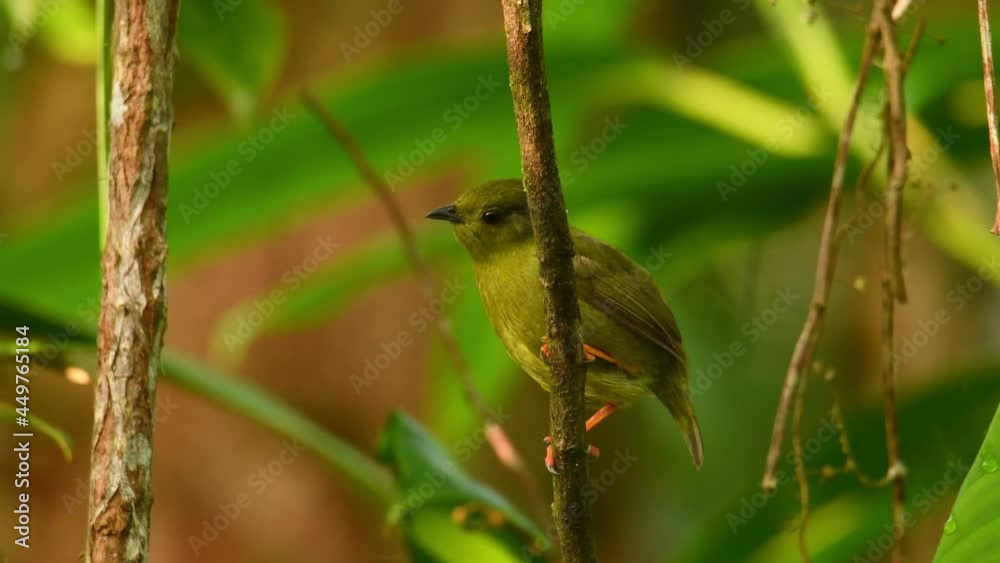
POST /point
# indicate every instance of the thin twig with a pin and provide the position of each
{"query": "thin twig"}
(800, 468)
(859, 191)
(911, 50)
(899, 153)
(897, 471)
(851, 466)
(523, 30)
(500, 443)
(825, 268)
(893, 287)
(986, 42)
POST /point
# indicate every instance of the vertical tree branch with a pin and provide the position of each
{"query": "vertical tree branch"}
(893, 288)
(989, 84)
(133, 308)
(500, 443)
(825, 266)
(899, 154)
(523, 26)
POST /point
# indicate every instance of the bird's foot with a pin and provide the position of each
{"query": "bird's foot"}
(550, 460)
(590, 353)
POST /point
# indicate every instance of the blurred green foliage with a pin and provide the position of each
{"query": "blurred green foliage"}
(238, 48)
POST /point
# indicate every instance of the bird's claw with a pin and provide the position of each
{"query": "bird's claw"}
(550, 459)
(588, 357)
(543, 352)
(593, 452)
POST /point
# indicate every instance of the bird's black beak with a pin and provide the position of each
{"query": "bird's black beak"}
(446, 213)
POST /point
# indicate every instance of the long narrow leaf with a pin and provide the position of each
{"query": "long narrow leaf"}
(59, 436)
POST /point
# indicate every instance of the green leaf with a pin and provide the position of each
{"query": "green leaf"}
(59, 436)
(237, 46)
(244, 399)
(971, 532)
(445, 515)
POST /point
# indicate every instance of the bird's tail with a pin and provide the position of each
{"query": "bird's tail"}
(674, 395)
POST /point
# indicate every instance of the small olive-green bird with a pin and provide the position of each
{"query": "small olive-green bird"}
(631, 340)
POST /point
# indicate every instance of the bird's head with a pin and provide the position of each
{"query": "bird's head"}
(489, 218)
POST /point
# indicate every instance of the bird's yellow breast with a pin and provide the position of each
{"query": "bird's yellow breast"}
(509, 287)
(511, 291)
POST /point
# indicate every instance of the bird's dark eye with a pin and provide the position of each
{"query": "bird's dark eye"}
(491, 217)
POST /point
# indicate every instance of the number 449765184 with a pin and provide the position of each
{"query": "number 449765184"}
(23, 367)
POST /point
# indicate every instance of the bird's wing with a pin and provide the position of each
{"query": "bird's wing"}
(614, 284)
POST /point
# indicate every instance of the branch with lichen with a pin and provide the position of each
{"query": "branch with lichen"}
(523, 27)
(133, 305)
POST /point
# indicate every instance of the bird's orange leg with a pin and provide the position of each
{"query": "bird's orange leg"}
(600, 415)
(592, 450)
(590, 353)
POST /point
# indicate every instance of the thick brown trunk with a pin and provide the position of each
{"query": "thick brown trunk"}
(133, 305)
